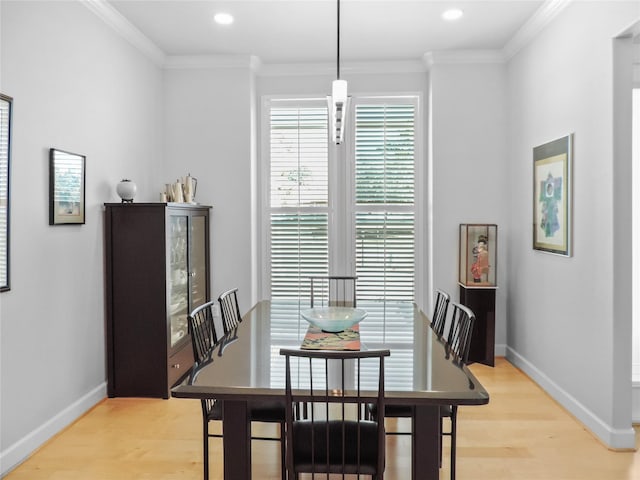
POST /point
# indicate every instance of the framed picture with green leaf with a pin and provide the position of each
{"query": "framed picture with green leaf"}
(66, 188)
(552, 191)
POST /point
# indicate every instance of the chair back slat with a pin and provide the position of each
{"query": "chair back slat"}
(229, 310)
(460, 332)
(202, 330)
(440, 309)
(337, 436)
(332, 291)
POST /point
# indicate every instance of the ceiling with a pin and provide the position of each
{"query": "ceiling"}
(304, 31)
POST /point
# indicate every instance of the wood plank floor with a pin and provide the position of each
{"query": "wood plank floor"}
(522, 434)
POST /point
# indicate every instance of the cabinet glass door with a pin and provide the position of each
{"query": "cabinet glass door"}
(198, 261)
(178, 277)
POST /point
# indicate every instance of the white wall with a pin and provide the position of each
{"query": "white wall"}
(208, 133)
(469, 158)
(76, 86)
(566, 322)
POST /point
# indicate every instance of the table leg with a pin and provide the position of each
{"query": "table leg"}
(425, 455)
(236, 429)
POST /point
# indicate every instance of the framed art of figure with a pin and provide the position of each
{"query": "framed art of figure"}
(66, 187)
(5, 163)
(552, 193)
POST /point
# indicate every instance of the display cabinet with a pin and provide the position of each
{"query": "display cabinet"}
(478, 283)
(477, 258)
(157, 271)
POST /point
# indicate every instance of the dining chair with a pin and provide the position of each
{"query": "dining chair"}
(204, 337)
(333, 291)
(204, 340)
(229, 310)
(337, 437)
(201, 321)
(457, 348)
(440, 308)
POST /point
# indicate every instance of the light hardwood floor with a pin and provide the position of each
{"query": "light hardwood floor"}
(522, 434)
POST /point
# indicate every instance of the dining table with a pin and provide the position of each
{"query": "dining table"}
(421, 372)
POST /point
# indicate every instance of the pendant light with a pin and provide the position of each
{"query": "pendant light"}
(339, 100)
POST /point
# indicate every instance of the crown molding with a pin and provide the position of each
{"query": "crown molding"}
(126, 29)
(458, 57)
(543, 17)
(353, 68)
(545, 14)
(211, 61)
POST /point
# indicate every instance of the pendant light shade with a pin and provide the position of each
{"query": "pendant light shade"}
(339, 100)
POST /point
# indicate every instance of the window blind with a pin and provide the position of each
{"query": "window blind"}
(299, 198)
(385, 201)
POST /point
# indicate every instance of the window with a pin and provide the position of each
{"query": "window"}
(299, 197)
(385, 201)
(344, 210)
(374, 229)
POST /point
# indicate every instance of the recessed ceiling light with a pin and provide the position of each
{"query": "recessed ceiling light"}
(452, 14)
(223, 18)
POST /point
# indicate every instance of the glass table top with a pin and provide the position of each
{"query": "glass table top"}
(419, 370)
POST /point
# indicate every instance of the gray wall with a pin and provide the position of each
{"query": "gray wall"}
(469, 168)
(569, 318)
(208, 125)
(76, 86)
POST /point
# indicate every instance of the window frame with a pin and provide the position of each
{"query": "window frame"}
(341, 160)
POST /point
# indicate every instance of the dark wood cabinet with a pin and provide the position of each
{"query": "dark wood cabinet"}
(482, 302)
(157, 271)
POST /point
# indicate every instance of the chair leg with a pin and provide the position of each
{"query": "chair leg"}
(205, 448)
(283, 466)
(440, 441)
(454, 414)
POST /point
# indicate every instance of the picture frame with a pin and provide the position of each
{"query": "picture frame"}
(552, 196)
(66, 188)
(6, 106)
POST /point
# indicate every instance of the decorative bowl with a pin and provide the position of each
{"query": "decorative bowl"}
(333, 319)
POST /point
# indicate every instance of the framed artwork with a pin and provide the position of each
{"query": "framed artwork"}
(66, 187)
(5, 164)
(552, 192)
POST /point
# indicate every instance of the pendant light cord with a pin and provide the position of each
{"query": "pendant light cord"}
(338, 46)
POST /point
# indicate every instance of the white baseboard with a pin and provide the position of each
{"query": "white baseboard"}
(500, 350)
(635, 402)
(614, 438)
(15, 454)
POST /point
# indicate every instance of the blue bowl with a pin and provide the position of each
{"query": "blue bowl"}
(333, 319)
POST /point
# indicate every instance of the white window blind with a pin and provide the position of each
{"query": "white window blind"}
(385, 240)
(299, 197)
(385, 201)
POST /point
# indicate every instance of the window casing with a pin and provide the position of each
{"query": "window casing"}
(354, 208)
